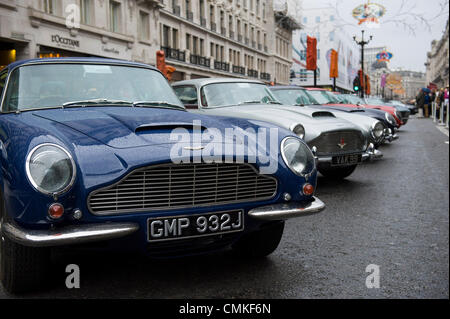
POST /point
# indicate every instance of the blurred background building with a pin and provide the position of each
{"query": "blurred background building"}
(201, 38)
(437, 74)
(321, 23)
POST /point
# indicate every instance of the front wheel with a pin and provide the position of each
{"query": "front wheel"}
(337, 172)
(260, 243)
(21, 268)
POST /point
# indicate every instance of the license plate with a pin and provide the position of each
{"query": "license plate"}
(189, 226)
(346, 159)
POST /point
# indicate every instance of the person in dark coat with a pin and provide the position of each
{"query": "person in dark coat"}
(420, 100)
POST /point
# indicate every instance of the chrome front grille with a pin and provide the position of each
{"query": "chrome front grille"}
(341, 142)
(172, 186)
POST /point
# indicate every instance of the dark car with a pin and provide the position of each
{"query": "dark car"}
(98, 150)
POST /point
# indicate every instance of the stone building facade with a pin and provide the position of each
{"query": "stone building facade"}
(437, 64)
(201, 38)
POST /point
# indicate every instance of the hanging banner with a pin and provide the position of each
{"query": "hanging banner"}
(383, 80)
(311, 53)
(334, 69)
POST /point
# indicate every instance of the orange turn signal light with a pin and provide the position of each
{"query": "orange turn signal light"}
(308, 189)
(55, 211)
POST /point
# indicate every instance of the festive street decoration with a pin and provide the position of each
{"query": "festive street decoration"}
(384, 56)
(369, 13)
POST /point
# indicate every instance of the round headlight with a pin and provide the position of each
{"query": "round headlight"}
(297, 156)
(50, 169)
(389, 118)
(378, 130)
(299, 130)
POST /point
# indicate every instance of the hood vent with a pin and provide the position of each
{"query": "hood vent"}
(322, 114)
(167, 127)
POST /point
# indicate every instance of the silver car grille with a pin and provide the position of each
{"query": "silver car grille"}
(173, 186)
(341, 142)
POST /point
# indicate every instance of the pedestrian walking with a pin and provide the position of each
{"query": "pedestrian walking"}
(426, 105)
(420, 100)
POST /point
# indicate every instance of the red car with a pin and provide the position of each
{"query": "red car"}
(326, 97)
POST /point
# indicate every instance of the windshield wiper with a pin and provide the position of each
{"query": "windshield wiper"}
(250, 102)
(96, 102)
(164, 104)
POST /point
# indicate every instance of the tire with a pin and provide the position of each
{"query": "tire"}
(22, 268)
(260, 243)
(337, 172)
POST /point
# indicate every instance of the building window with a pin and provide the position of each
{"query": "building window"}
(317, 19)
(188, 41)
(264, 10)
(50, 6)
(175, 38)
(165, 36)
(257, 7)
(114, 16)
(305, 20)
(332, 36)
(144, 26)
(332, 18)
(86, 10)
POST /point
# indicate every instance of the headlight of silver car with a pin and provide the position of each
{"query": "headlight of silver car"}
(50, 169)
(377, 130)
(299, 130)
(389, 118)
(297, 156)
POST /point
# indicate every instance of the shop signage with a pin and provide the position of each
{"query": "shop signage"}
(65, 41)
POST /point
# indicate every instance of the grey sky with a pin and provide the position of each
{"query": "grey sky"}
(409, 49)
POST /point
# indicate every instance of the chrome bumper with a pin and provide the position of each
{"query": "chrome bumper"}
(286, 211)
(68, 235)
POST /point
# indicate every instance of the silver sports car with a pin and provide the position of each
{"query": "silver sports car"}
(338, 145)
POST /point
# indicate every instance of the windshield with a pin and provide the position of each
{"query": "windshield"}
(375, 101)
(54, 84)
(293, 97)
(323, 97)
(353, 99)
(236, 93)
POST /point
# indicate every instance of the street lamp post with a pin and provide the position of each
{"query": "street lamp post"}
(362, 43)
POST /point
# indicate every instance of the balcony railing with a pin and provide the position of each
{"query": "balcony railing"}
(240, 37)
(174, 54)
(252, 73)
(176, 10)
(238, 70)
(190, 15)
(231, 34)
(253, 44)
(247, 41)
(200, 60)
(259, 47)
(223, 66)
(265, 76)
(203, 22)
(223, 31)
(265, 48)
(213, 27)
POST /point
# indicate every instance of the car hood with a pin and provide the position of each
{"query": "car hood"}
(315, 122)
(126, 127)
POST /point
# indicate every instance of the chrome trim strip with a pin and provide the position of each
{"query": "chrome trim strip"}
(69, 235)
(286, 211)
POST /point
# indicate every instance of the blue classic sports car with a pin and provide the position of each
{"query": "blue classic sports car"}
(102, 150)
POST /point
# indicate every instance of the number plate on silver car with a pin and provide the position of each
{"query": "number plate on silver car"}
(188, 226)
(346, 159)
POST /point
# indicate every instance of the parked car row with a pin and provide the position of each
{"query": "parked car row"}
(105, 153)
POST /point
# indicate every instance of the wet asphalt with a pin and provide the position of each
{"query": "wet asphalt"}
(393, 213)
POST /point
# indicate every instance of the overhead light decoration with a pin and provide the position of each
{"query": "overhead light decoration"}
(369, 14)
(384, 56)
